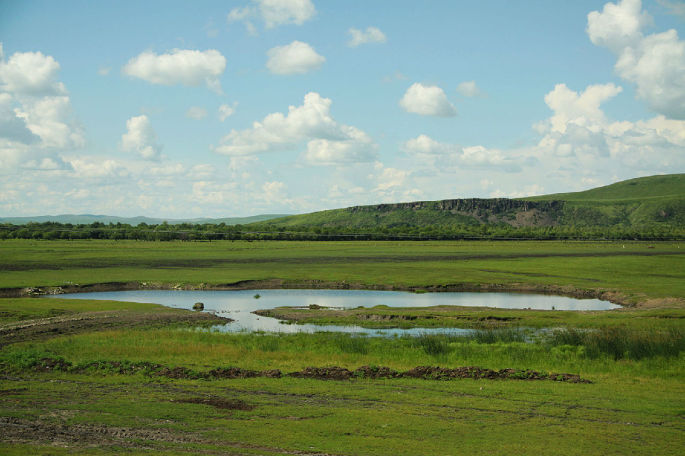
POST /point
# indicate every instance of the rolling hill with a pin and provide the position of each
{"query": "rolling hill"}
(646, 201)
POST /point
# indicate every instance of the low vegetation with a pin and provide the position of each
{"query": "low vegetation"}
(102, 377)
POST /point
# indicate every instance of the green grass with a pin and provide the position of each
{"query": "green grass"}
(641, 188)
(634, 357)
(631, 268)
(481, 317)
(18, 309)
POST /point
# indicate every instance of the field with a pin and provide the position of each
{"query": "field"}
(92, 377)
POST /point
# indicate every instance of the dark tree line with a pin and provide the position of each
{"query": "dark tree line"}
(211, 232)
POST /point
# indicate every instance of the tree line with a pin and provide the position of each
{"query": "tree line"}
(253, 232)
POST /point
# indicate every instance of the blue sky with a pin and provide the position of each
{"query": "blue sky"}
(189, 109)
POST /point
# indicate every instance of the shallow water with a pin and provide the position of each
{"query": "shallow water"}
(239, 305)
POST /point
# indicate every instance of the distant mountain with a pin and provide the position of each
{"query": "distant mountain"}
(655, 200)
(89, 218)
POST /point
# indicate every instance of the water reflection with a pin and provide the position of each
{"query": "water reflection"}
(240, 304)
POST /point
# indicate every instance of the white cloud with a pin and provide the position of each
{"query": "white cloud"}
(469, 89)
(180, 66)
(12, 127)
(226, 111)
(579, 136)
(328, 141)
(141, 138)
(427, 101)
(655, 63)
(580, 109)
(209, 192)
(528, 190)
(391, 177)
(294, 58)
(50, 119)
(36, 119)
(370, 35)
(196, 112)
(93, 167)
(280, 12)
(444, 157)
(618, 25)
(273, 13)
(357, 148)
(674, 7)
(104, 71)
(30, 73)
(273, 191)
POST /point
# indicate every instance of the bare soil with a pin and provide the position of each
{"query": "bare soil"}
(43, 328)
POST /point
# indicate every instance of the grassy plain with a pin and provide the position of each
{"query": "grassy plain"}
(67, 392)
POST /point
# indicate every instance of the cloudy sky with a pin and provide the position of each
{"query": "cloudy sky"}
(231, 108)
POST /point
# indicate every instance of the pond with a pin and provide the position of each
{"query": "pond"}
(239, 305)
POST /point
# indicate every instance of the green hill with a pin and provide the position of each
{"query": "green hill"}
(641, 188)
(635, 203)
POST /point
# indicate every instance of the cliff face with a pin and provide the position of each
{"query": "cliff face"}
(496, 210)
(465, 205)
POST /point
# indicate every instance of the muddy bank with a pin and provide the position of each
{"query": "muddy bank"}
(42, 328)
(318, 373)
(556, 290)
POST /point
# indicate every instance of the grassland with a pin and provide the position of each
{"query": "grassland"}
(134, 387)
(642, 202)
(633, 272)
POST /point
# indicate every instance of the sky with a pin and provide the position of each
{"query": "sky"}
(179, 109)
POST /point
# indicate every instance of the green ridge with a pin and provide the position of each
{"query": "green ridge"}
(635, 203)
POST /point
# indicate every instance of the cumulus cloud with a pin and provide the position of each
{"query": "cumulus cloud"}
(579, 109)
(327, 140)
(469, 89)
(370, 35)
(196, 112)
(180, 66)
(579, 135)
(294, 58)
(446, 156)
(357, 148)
(36, 119)
(30, 73)
(226, 111)
(50, 119)
(654, 63)
(141, 138)
(427, 101)
(273, 13)
(12, 127)
(391, 177)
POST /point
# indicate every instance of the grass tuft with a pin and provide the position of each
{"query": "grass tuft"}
(622, 343)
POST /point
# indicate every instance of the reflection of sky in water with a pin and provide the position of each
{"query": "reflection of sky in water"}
(239, 304)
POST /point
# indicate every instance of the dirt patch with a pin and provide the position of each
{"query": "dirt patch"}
(323, 373)
(441, 373)
(20, 430)
(93, 321)
(375, 372)
(319, 373)
(220, 403)
(17, 430)
(432, 373)
(237, 372)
